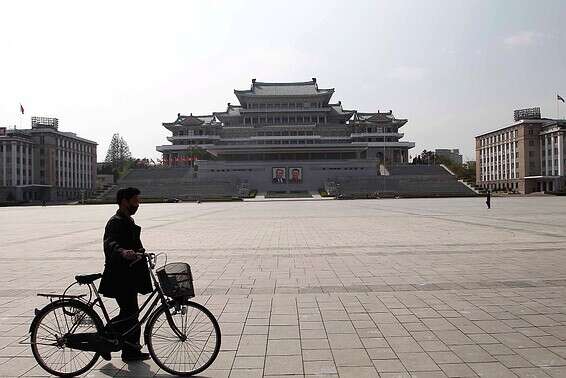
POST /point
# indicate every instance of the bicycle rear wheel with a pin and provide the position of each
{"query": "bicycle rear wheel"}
(48, 331)
(183, 357)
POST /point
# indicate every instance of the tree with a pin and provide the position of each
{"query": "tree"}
(118, 152)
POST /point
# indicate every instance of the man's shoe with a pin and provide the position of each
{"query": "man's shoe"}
(135, 357)
(106, 355)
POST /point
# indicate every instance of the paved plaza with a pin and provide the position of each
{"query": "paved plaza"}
(367, 288)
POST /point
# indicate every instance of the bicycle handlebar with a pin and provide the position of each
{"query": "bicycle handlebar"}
(149, 257)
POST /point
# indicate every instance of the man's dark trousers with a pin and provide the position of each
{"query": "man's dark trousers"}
(128, 308)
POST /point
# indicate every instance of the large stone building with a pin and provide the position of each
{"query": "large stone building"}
(287, 122)
(43, 163)
(525, 156)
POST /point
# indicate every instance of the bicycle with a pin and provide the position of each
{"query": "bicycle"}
(67, 336)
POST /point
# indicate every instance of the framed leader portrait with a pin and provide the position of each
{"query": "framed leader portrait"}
(295, 175)
(278, 175)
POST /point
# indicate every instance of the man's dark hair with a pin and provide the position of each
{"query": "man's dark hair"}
(126, 193)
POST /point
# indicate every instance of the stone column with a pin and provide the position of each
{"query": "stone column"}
(4, 164)
(65, 168)
(73, 168)
(560, 154)
(59, 165)
(541, 142)
(21, 170)
(27, 163)
(14, 166)
(545, 155)
(23, 153)
(552, 154)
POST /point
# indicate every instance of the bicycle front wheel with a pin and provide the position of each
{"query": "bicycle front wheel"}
(183, 357)
(49, 330)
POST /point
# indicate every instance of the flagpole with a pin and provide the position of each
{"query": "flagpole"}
(557, 107)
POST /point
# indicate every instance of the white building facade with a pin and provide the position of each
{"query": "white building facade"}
(43, 163)
(526, 156)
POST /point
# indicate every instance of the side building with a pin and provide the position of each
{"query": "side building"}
(450, 154)
(526, 156)
(45, 164)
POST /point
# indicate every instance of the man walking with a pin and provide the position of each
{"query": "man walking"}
(488, 199)
(124, 277)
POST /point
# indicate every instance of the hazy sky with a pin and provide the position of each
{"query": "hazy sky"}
(453, 68)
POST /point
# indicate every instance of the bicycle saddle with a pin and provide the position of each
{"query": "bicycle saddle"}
(87, 278)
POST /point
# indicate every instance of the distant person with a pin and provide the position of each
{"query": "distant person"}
(279, 176)
(124, 276)
(488, 199)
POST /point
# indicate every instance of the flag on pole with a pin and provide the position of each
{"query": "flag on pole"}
(559, 98)
(22, 108)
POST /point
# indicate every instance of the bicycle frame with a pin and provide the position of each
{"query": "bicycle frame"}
(156, 295)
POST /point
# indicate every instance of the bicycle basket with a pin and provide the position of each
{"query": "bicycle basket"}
(176, 280)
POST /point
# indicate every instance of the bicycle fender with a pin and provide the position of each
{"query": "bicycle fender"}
(51, 304)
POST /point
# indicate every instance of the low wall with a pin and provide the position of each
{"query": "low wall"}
(262, 175)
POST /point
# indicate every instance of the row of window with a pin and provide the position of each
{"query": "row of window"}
(284, 105)
(74, 145)
(491, 177)
(277, 141)
(499, 137)
(279, 120)
(8, 148)
(498, 148)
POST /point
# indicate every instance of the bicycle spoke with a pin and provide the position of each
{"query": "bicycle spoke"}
(58, 322)
(193, 354)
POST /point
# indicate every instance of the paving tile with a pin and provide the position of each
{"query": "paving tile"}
(453, 337)
(339, 341)
(403, 344)
(418, 362)
(356, 372)
(557, 372)
(491, 369)
(279, 365)
(242, 362)
(471, 353)
(389, 366)
(245, 373)
(541, 357)
(375, 342)
(351, 357)
(444, 357)
(320, 368)
(315, 344)
(513, 361)
(515, 340)
(530, 373)
(381, 353)
(318, 355)
(284, 347)
(433, 346)
(457, 370)
(283, 332)
(497, 349)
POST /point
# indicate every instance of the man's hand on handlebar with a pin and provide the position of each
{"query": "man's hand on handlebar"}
(129, 254)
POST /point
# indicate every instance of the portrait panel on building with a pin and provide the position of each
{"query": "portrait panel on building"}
(278, 175)
(295, 175)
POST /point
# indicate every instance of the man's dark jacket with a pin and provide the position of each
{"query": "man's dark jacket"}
(119, 278)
